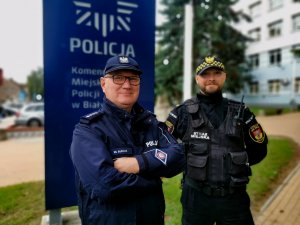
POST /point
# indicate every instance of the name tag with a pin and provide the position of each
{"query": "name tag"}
(121, 151)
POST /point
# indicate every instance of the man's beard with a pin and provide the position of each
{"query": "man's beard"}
(204, 91)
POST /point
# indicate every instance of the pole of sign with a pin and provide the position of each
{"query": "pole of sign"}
(188, 46)
(55, 217)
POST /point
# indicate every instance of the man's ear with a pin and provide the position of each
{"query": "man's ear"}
(102, 84)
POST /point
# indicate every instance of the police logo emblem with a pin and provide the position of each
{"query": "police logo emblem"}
(161, 156)
(123, 59)
(256, 133)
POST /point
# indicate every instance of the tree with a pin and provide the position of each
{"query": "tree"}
(212, 35)
(35, 82)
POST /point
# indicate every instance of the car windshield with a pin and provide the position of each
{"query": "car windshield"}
(34, 108)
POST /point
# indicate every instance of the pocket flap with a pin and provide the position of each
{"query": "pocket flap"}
(239, 158)
(197, 161)
(199, 149)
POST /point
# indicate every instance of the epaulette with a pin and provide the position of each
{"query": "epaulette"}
(147, 117)
(191, 101)
(150, 113)
(89, 118)
(192, 105)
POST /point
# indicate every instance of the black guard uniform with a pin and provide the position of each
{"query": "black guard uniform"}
(222, 140)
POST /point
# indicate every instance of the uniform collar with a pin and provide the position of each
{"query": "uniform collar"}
(210, 99)
(121, 113)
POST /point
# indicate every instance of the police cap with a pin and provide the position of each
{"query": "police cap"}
(121, 62)
(209, 62)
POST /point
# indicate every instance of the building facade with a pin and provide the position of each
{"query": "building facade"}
(273, 53)
(11, 91)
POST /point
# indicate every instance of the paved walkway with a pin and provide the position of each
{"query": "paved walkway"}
(283, 207)
(21, 160)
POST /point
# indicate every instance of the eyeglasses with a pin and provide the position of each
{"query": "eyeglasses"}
(119, 79)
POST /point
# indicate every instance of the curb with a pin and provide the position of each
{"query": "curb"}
(68, 218)
(279, 189)
(14, 132)
(24, 134)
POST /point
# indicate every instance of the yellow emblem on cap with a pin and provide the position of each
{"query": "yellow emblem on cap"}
(209, 59)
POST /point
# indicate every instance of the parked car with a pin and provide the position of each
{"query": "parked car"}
(7, 112)
(31, 115)
(13, 105)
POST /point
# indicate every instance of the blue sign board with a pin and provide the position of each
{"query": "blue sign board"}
(79, 36)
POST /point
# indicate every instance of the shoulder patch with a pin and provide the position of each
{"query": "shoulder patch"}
(256, 133)
(170, 126)
(161, 156)
(87, 119)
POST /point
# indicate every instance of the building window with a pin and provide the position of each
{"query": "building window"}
(274, 4)
(296, 51)
(254, 34)
(275, 57)
(255, 9)
(275, 29)
(254, 61)
(297, 85)
(296, 22)
(274, 86)
(254, 87)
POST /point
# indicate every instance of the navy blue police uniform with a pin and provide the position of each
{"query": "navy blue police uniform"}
(222, 140)
(107, 196)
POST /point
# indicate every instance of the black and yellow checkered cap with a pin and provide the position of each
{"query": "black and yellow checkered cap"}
(209, 62)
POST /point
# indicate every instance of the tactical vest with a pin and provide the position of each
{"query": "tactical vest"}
(216, 156)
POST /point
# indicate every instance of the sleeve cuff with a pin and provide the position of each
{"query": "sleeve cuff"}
(143, 162)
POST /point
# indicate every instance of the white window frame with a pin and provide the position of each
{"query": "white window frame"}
(254, 61)
(255, 34)
(255, 9)
(275, 57)
(275, 28)
(296, 22)
(274, 86)
(274, 4)
(297, 85)
(254, 87)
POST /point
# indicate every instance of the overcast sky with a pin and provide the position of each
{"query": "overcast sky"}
(20, 37)
(21, 41)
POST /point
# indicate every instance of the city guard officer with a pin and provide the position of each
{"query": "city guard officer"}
(222, 140)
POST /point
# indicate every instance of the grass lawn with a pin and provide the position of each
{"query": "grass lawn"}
(24, 203)
(270, 111)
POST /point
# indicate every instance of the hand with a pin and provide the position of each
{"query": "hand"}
(127, 165)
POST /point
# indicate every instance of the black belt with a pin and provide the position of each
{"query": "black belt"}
(214, 191)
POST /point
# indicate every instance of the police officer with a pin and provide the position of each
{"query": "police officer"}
(222, 140)
(120, 152)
